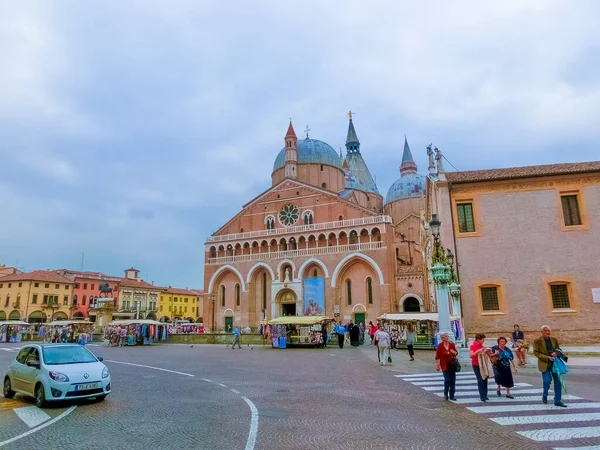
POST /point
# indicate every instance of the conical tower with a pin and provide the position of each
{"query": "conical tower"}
(291, 153)
(357, 164)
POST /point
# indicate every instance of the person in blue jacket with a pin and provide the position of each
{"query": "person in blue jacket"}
(341, 332)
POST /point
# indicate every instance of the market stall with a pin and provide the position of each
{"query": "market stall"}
(425, 326)
(119, 333)
(67, 331)
(296, 330)
(13, 330)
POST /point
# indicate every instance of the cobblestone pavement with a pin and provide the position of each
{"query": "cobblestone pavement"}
(306, 399)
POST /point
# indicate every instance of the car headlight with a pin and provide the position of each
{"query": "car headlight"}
(105, 372)
(57, 376)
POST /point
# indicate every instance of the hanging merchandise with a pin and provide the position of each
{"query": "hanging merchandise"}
(134, 332)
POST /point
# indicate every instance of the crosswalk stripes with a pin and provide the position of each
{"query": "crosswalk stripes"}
(525, 413)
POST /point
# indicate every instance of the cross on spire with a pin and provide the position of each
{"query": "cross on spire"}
(350, 115)
(306, 130)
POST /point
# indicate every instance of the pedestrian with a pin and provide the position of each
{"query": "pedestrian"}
(518, 341)
(236, 338)
(445, 356)
(503, 367)
(341, 334)
(361, 337)
(354, 335)
(324, 334)
(544, 349)
(476, 349)
(384, 342)
(410, 340)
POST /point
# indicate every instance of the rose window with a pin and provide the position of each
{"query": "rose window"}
(289, 215)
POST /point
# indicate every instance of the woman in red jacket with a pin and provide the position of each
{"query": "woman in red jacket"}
(445, 357)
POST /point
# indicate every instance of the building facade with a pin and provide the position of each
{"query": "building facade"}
(321, 240)
(180, 304)
(526, 241)
(38, 296)
(136, 298)
(88, 288)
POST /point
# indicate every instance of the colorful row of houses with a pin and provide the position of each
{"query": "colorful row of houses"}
(45, 295)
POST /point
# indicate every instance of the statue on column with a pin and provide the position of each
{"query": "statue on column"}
(438, 159)
(431, 167)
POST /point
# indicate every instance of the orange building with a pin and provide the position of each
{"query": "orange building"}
(320, 240)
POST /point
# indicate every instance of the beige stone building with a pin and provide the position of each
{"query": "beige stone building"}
(137, 298)
(527, 246)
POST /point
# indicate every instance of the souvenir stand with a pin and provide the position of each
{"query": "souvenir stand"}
(67, 330)
(134, 332)
(425, 327)
(296, 330)
(13, 330)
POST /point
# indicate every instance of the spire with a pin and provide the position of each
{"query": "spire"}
(352, 142)
(345, 165)
(290, 131)
(408, 164)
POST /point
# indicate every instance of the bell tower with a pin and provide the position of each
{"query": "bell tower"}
(291, 153)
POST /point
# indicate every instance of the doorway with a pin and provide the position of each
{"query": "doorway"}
(228, 324)
(288, 309)
(411, 304)
(359, 318)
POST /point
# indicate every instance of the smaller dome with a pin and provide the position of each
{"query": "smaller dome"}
(311, 151)
(409, 185)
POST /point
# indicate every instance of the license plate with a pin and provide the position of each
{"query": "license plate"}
(86, 386)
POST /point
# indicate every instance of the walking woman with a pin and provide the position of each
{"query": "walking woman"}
(476, 349)
(410, 340)
(518, 340)
(445, 357)
(502, 368)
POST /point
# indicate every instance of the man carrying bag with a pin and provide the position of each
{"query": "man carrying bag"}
(544, 349)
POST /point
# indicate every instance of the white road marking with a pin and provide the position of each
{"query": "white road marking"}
(589, 447)
(434, 374)
(536, 407)
(253, 425)
(207, 380)
(221, 384)
(561, 434)
(16, 349)
(31, 415)
(38, 428)
(234, 391)
(466, 377)
(546, 418)
(440, 387)
(150, 367)
(475, 393)
(516, 399)
(433, 383)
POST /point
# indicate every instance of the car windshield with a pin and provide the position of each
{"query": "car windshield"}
(72, 354)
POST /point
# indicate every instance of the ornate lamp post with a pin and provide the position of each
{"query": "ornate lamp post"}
(454, 286)
(442, 275)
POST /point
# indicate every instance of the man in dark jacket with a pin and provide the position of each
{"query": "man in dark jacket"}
(544, 349)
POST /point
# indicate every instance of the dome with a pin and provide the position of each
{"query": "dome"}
(409, 185)
(311, 151)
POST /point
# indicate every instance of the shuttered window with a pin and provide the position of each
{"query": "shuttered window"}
(489, 298)
(570, 207)
(466, 223)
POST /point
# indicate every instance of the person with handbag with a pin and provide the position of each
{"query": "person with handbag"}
(503, 367)
(445, 357)
(384, 343)
(544, 349)
(476, 349)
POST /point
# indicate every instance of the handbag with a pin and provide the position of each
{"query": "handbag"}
(455, 364)
(559, 366)
(389, 359)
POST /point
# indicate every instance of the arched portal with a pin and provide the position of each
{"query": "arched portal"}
(151, 316)
(287, 300)
(37, 317)
(15, 315)
(164, 319)
(411, 304)
(2, 315)
(78, 315)
(59, 315)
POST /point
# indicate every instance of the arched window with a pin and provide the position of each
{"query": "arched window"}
(349, 289)
(222, 295)
(270, 223)
(237, 295)
(315, 273)
(324, 185)
(370, 290)
(341, 218)
(264, 291)
(308, 218)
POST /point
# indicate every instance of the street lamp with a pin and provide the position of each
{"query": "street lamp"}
(213, 298)
(442, 274)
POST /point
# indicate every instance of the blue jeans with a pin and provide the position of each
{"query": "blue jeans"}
(482, 385)
(449, 383)
(547, 378)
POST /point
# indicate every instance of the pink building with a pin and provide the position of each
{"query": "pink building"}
(89, 287)
(526, 241)
(320, 240)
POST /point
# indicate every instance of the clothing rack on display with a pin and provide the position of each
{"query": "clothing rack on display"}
(135, 332)
(13, 330)
(425, 327)
(296, 331)
(81, 331)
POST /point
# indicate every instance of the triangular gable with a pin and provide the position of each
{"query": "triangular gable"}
(407, 217)
(272, 189)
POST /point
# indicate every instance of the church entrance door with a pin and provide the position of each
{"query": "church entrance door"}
(288, 309)
(228, 324)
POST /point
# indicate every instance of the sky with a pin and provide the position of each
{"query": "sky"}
(131, 131)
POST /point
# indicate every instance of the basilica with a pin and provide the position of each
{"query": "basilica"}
(321, 240)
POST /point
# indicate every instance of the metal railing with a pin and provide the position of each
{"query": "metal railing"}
(296, 253)
(302, 228)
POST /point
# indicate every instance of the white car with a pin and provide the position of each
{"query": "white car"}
(51, 372)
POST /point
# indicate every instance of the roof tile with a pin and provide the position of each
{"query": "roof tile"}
(38, 275)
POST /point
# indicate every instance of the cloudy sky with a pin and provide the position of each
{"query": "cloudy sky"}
(130, 131)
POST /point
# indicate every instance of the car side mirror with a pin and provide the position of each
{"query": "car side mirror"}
(100, 358)
(33, 364)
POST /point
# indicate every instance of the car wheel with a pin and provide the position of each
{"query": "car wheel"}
(7, 391)
(100, 398)
(40, 396)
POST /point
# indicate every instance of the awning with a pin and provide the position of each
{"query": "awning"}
(64, 323)
(133, 321)
(407, 317)
(299, 320)
(14, 322)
